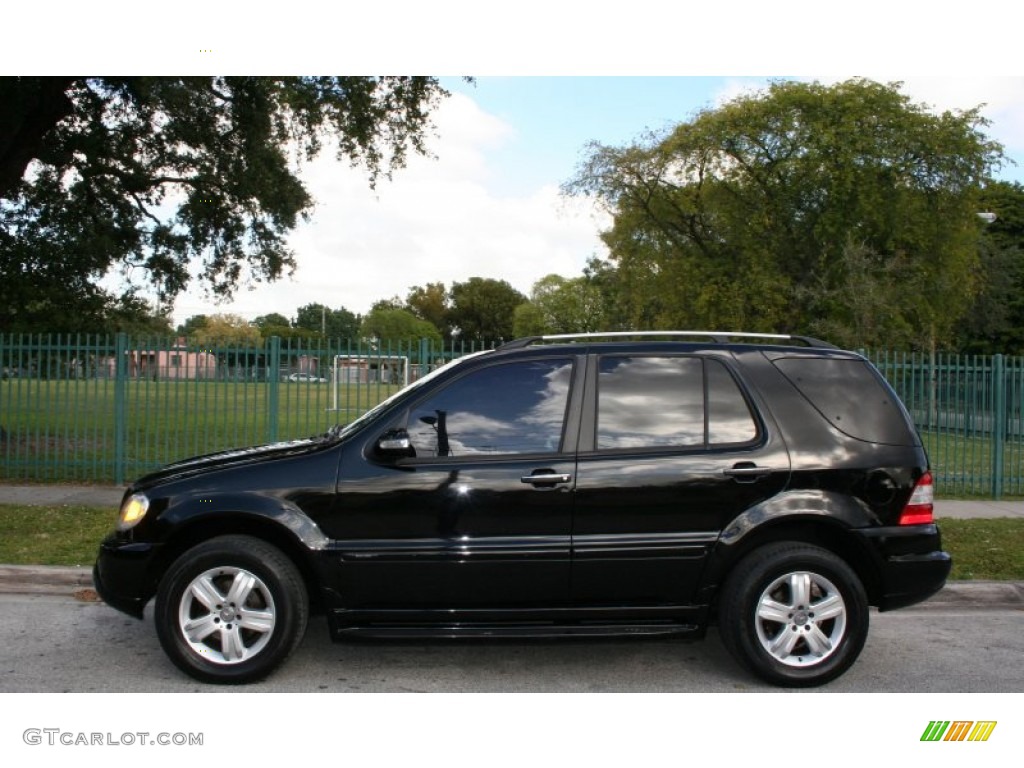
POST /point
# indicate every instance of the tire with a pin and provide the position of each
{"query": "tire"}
(231, 610)
(794, 614)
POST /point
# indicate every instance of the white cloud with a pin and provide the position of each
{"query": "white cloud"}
(436, 220)
(1002, 99)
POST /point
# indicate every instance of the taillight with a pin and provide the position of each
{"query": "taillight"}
(919, 509)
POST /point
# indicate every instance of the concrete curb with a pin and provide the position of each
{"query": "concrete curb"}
(973, 594)
(77, 582)
(44, 580)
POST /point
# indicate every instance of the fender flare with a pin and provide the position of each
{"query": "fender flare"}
(825, 511)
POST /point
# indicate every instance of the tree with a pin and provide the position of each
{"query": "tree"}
(155, 173)
(276, 324)
(271, 320)
(223, 330)
(397, 326)
(741, 217)
(430, 302)
(995, 322)
(95, 312)
(482, 309)
(133, 315)
(193, 325)
(867, 305)
(393, 303)
(328, 323)
(568, 305)
(529, 320)
(603, 276)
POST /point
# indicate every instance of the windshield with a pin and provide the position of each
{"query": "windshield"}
(352, 426)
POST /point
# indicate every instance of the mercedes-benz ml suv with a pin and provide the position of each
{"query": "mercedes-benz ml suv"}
(594, 485)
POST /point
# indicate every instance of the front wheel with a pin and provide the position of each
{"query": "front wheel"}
(231, 610)
(794, 614)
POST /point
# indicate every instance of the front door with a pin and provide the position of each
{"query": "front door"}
(480, 517)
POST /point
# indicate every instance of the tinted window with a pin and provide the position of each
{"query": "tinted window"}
(729, 417)
(651, 402)
(646, 402)
(852, 397)
(502, 409)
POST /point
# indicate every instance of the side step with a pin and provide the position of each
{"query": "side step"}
(514, 632)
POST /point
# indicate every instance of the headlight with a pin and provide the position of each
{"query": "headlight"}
(132, 511)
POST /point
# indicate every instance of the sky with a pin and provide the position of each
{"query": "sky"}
(549, 78)
(487, 203)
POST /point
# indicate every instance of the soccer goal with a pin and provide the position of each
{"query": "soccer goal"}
(367, 370)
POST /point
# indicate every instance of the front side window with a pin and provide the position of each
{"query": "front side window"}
(677, 401)
(509, 408)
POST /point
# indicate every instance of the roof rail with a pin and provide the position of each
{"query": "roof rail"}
(720, 337)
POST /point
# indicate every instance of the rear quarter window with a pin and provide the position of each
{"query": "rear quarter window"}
(852, 396)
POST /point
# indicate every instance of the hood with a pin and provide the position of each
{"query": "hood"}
(236, 457)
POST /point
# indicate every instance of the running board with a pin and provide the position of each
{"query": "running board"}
(522, 632)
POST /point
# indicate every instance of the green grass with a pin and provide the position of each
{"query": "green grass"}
(985, 549)
(67, 535)
(70, 535)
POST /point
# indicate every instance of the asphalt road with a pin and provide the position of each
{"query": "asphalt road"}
(56, 643)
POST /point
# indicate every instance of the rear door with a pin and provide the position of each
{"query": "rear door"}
(671, 450)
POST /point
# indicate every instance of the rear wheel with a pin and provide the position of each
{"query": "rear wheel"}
(794, 614)
(231, 610)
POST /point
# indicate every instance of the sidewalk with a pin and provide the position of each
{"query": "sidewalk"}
(59, 495)
(59, 580)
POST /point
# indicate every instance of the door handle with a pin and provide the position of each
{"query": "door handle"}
(545, 478)
(747, 472)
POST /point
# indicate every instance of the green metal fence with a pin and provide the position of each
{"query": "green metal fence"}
(969, 410)
(102, 409)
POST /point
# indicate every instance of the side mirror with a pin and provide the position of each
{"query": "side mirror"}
(395, 444)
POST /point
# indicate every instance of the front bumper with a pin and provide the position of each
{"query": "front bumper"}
(910, 563)
(122, 574)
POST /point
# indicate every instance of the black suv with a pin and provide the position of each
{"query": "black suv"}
(595, 485)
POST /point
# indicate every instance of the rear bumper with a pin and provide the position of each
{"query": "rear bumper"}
(911, 579)
(910, 562)
(121, 575)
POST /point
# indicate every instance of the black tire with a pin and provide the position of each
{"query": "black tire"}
(794, 614)
(231, 640)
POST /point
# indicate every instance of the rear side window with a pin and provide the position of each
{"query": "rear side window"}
(852, 397)
(669, 401)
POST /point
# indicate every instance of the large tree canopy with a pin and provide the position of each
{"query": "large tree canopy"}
(175, 178)
(761, 214)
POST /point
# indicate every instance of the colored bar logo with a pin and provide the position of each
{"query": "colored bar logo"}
(958, 730)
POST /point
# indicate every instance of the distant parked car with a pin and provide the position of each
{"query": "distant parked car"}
(307, 377)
